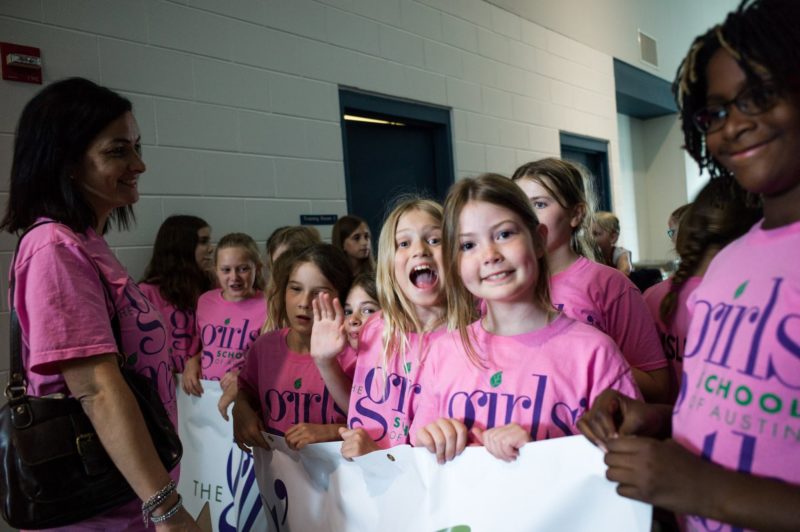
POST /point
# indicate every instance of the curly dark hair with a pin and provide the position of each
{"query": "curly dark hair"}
(763, 36)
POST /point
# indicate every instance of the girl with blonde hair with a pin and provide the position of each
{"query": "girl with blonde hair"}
(580, 287)
(392, 346)
(522, 371)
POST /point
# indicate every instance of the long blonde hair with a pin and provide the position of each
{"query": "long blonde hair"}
(399, 316)
(496, 190)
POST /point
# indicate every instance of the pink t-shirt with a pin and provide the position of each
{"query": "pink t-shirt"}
(382, 401)
(226, 329)
(64, 314)
(673, 335)
(742, 360)
(543, 380)
(288, 384)
(606, 298)
(184, 341)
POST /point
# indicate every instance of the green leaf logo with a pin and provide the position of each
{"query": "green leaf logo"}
(408, 367)
(740, 290)
(457, 528)
(298, 383)
(227, 321)
(496, 379)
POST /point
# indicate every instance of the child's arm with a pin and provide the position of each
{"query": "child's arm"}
(302, 434)
(503, 442)
(624, 263)
(654, 384)
(665, 474)
(356, 443)
(614, 414)
(191, 376)
(327, 341)
(445, 437)
(247, 424)
(230, 389)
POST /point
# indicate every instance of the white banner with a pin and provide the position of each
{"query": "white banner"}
(556, 484)
(213, 469)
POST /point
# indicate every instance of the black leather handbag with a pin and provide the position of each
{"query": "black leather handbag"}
(55, 471)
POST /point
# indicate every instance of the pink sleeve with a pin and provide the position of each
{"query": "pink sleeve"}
(347, 360)
(62, 307)
(632, 326)
(201, 303)
(652, 298)
(194, 346)
(614, 372)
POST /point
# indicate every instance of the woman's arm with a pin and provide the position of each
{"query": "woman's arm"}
(111, 407)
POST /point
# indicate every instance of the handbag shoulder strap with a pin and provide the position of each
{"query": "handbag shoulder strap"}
(17, 384)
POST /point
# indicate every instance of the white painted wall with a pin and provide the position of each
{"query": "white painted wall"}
(238, 107)
(612, 26)
(661, 174)
(632, 175)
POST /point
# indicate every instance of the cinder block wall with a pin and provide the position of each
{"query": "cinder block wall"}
(237, 101)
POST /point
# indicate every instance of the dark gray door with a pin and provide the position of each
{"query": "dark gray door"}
(592, 154)
(411, 153)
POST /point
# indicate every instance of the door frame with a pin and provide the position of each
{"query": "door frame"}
(355, 101)
(592, 146)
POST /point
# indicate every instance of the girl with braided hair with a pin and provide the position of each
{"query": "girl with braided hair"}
(719, 214)
(727, 455)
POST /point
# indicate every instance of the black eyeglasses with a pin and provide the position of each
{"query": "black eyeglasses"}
(752, 100)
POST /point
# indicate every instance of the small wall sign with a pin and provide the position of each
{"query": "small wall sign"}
(318, 219)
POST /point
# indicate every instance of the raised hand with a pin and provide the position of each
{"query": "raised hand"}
(328, 337)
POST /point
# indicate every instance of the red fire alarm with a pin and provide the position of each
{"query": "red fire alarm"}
(21, 63)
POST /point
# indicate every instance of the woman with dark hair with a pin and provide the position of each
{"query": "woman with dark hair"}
(351, 234)
(77, 161)
(177, 275)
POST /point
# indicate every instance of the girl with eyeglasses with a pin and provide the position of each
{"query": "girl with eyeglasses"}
(726, 455)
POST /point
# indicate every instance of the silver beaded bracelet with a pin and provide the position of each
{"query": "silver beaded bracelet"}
(157, 500)
(169, 513)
